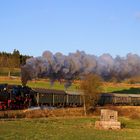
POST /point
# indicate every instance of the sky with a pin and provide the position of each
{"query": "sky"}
(93, 26)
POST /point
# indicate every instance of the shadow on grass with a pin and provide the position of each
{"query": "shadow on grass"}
(129, 91)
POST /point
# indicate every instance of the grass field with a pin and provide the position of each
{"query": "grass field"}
(38, 83)
(66, 129)
(5, 71)
(44, 83)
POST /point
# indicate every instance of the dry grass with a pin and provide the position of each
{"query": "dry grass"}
(67, 112)
(132, 112)
(12, 114)
(55, 113)
(3, 78)
(125, 85)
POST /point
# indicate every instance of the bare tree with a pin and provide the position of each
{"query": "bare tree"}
(92, 87)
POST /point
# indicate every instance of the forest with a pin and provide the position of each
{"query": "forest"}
(10, 63)
(14, 59)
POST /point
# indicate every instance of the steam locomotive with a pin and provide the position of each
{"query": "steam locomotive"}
(15, 97)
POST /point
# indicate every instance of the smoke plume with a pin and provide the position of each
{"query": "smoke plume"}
(75, 65)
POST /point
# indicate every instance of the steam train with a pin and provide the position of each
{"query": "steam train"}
(19, 97)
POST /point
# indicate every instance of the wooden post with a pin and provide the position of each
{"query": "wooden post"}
(67, 100)
(37, 99)
(53, 99)
(84, 105)
(9, 74)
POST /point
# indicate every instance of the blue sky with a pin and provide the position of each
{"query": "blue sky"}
(93, 26)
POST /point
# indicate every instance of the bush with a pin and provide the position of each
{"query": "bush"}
(92, 87)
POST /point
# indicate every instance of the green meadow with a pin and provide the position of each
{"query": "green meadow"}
(81, 128)
(41, 84)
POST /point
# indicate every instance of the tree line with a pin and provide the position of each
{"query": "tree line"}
(12, 60)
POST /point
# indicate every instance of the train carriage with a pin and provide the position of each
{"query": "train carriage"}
(50, 97)
(135, 99)
(74, 98)
(105, 98)
(121, 99)
(58, 97)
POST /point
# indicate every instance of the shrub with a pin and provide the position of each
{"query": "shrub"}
(92, 87)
